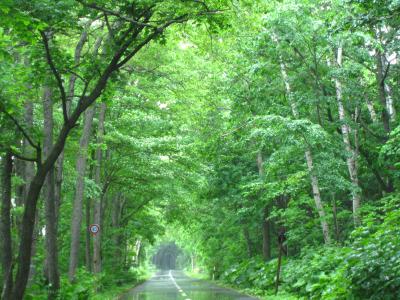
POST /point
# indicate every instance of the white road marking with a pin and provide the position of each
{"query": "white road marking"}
(176, 285)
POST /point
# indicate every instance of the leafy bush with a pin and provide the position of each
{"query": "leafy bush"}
(82, 289)
(252, 273)
(318, 274)
(87, 285)
(374, 264)
(368, 268)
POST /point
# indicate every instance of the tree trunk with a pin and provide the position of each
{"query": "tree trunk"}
(385, 93)
(335, 220)
(351, 153)
(25, 169)
(266, 245)
(371, 109)
(380, 80)
(5, 225)
(310, 162)
(193, 261)
(138, 248)
(70, 97)
(97, 202)
(385, 97)
(116, 213)
(266, 235)
(249, 243)
(49, 197)
(20, 172)
(389, 102)
(79, 193)
(88, 249)
(281, 240)
(28, 224)
(28, 173)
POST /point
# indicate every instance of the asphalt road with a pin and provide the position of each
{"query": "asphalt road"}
(175, 285)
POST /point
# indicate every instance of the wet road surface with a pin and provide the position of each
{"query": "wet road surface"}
(175, 285)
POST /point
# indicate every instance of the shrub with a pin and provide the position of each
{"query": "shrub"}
(374, 264)
(368, 268)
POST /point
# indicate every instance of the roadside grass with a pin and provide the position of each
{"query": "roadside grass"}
(111, 292)
(257, 293)
(117, 291)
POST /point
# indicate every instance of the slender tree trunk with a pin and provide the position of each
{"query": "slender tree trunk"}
(280, 253)
(266, 234)
(385, 94)
(266, 231)
(371, 109)
(382, 93)
(388, 110)
(70, 97)
(79, 193)
(19, 188)
(138, 248)
(29, 168)
(335, 220)
(49, 197)
(249, 244)
(351, 153)
(5, 225)
(389, 102)
(117, 208)
(97, 203)
(25, 169)
(310, 162)
(88, 220)
(88, 248)
(193, 261)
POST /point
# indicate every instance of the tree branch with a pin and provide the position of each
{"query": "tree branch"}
(136, 210)
(115, 14)
(109, 28)
(21, 157)
(150, 37)
(56, 75)
(76, 74)
(21, 129)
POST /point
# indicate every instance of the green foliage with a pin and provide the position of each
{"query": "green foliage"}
(373, 266)
(318, 274)
(367, 268)
(253, 273)
(206, 133)
(87, 286)
(390, 152)
(83, 289)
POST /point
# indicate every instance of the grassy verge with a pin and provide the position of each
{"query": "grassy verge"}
(111, 293)
(116, 292)
(261, 294)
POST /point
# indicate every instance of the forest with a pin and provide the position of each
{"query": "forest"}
(259, 136)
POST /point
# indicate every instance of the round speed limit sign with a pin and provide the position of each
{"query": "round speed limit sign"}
(94, 229)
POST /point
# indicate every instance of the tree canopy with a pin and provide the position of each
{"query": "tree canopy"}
(259, 140)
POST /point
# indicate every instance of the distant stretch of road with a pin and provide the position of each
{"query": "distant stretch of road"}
(175, 285)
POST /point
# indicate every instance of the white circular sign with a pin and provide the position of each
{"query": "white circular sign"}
(94, 228)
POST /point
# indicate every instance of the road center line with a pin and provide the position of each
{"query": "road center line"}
(176, 285)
